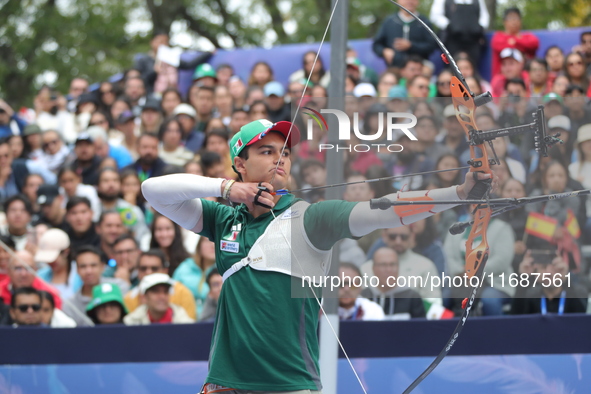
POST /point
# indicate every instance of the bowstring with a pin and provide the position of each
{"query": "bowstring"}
(275, 217)
(304, 91)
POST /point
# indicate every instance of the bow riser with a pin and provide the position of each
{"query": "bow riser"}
(476, 256)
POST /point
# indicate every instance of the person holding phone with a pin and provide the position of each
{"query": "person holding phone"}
(558, 295)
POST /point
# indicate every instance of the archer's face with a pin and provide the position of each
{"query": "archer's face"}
(263, 157)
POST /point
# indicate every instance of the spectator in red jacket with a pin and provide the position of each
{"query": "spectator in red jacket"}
(512, 66)
(21, 273)
(512, 37)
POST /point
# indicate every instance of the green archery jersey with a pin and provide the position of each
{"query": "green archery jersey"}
(263, 338)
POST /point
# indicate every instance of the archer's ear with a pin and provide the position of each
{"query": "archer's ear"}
(239, 165)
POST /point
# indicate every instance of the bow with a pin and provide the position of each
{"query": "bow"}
(465, 104)
(477, 248)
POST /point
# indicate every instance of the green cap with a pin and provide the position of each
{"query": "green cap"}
(254, 131)
(552, 97)
(31, 129)
(204, 70)
(103, 293)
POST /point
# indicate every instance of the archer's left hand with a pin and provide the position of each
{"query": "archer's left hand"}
(469, 183)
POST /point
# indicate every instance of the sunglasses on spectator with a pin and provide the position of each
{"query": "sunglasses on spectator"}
(106, 92)
(404, 237)
(579, 63)
(145, 268)
(48, 143)
(25, 307)
(426, 87)
(443, 83)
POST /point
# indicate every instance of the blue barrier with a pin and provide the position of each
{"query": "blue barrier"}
(493, 355)
(532, 334)
(285, 59)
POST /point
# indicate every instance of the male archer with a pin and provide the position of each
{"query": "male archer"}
(265, 340)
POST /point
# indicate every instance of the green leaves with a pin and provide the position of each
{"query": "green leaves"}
(44, 42)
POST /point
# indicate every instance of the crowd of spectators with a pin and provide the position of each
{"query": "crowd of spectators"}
(80, 246)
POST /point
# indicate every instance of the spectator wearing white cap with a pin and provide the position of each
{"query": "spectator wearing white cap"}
(277, 109)
(154, 261)
(53, 256)
(512, 66)
(364, 89)
(192, 138)
(156, 308)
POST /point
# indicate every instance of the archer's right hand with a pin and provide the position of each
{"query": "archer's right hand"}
(245, 193)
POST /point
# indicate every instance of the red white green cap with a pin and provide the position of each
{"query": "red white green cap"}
(254, 131)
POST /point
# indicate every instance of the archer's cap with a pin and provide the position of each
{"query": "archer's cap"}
(254, 131)
(559, 122)
(51, 244)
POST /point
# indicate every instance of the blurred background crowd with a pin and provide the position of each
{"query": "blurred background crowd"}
(81, 246)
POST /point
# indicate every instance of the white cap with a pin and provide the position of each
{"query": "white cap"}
(513, 53)
(559, 122)
(449, 111)
(152, 280)
(185, 109)
(51, 244)
(584, 133)
(364, 89)
(97, 133)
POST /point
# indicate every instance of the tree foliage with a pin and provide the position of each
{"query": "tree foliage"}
(86, 38)
(68, 38)
(549, 14)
